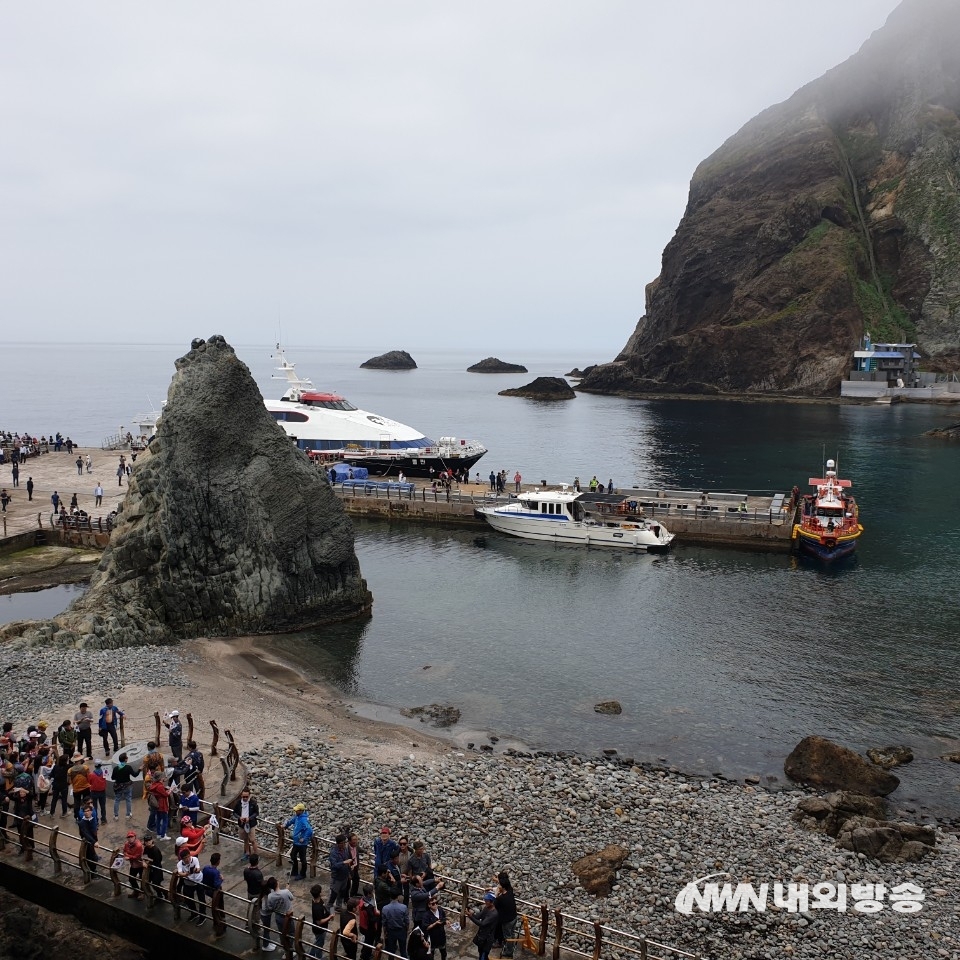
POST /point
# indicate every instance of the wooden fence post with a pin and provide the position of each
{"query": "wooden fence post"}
(285, 939)
(217, 913)
(281, 843)
(558, 936)
(174, 896)
(464, 904)
(314, 856)
(189, 727)
(54, 852)
(216, 737)
(114, 875)
(298, 938)
(597, 939)
(544, 924)
(84, 863)
(156, 724)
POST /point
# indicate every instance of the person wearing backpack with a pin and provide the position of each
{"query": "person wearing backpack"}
(110, 715)
(301, 836)
(368, 920)
(158, 802)
(98, 789)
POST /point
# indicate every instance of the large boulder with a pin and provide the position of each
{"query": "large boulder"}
(822, 763)
(543, 388)
(886, 841)
(597, 872)
(394, 360)
(226, 529)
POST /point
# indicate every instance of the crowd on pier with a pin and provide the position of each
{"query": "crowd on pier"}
(398, 905)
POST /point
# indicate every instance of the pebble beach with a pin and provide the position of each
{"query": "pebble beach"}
(480, 812)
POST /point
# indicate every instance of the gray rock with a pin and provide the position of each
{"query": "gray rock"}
(493, 365)
(888, 757)
(608, 706)
(543, 388)
(226, 528)
(393, 360)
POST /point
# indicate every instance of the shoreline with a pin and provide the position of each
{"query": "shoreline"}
(252, 664)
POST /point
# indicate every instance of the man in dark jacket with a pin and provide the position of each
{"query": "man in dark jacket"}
(247, 813)
(486, 919)
(394, 919)
(340, 866)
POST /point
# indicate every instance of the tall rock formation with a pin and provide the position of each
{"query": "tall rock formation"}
(830, 215)
(226, 528)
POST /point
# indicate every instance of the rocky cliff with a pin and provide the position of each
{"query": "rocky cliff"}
(226, 528)
(830, 215)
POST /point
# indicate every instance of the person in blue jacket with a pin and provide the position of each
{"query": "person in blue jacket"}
(301, 835)
(110, 715)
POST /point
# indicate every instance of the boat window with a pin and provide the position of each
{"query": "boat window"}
(543, 508)
(290, 416)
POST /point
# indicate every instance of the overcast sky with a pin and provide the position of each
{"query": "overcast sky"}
(378, 175)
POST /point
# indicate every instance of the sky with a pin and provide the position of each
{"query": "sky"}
(376, 175)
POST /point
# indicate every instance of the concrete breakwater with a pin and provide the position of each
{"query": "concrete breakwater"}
(695, 516)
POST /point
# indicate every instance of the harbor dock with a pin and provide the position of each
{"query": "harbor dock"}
(697, 517)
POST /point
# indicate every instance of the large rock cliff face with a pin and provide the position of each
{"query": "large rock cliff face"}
(226, 527)
(830, 215)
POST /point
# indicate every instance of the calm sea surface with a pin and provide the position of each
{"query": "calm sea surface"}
(722, 659)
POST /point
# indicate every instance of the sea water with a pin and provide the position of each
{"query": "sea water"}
(722, 659)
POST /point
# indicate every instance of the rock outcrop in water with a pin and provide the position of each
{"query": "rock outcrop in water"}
(226, 528)
(394, 360)
(543, 388)
(830, 215)
(495, 365)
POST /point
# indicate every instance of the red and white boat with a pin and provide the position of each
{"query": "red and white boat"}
(829, 526)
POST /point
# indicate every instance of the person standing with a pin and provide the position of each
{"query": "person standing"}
(354, 851)
(506, 905)
(253, 877)
(190, 884)
(5, 498)
(29, 488)
(98, 790)
(340, 865)
(395, 919)
(123, 773)
(349, 934)
(434, 923)
(79, 466)
(486, 920)
(247, 813)
(79, 775)
(383, 849)
(212, 880)
(368, 920)
(157, 793)
(82, 720)
(133, 854)
(280, 903)
(60, 785)
(15, 474)
(110, 714)
(89, 463)
(175, 738)
(301, 836)
(98, 494)
(153, 855)
(418, 946)
(121, 470)
(89, 834)
(516, 480)
(320, 918)
(55, 500)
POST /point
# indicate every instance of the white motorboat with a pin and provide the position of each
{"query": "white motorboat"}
(332, 429)
(558, 516)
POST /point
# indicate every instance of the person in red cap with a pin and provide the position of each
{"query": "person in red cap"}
(195, 836)
(133, 854)
(383, 850)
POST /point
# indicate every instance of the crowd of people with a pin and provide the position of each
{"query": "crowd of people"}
(396, 903)
(401, 909)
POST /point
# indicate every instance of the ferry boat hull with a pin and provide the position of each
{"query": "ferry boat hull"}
(527, 517)
(418, 463)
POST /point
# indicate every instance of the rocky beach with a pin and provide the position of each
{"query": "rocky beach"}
(481, 811)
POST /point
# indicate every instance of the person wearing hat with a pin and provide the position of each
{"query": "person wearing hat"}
(383, 850)
(300, 836)
(110, 715)
(175, 738)
(486, 919)
(433, 921)
(42, 729)
(133, 854)
(98, 789)
(79, 775)
(193, 836)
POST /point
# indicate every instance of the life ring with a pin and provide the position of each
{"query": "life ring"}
(830, 542)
